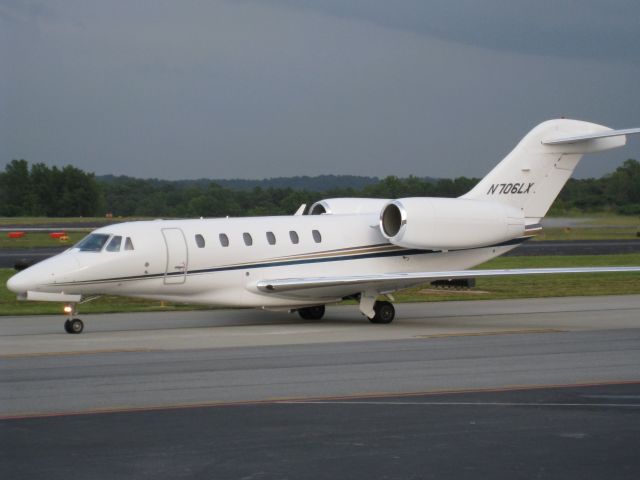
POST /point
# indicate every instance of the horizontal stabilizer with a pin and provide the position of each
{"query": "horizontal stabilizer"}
(591, 136)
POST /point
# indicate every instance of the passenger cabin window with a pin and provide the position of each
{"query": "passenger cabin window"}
(114, 244)
(316, 236)
(271, 238)
(294, 237)
(93, 242)
(199, 241)
(128, 244)
(224, 240)
(248, 241)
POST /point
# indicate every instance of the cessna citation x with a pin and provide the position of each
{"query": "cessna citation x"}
(343, 248)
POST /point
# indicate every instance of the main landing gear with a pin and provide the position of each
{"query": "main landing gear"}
(377, 311)
(311, 313)
(381, 312)
(385, 312)
(72, 325)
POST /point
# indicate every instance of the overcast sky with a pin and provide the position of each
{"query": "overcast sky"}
(265, 88)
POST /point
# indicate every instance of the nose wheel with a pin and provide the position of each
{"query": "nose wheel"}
(74, 325)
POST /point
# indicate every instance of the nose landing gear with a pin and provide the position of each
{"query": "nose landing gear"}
(72, 325)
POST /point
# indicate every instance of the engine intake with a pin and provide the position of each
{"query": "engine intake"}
(449, 223)
(347, 205)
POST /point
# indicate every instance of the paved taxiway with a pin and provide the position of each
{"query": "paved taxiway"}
(161, 375)
(141, 360)
(553, 433)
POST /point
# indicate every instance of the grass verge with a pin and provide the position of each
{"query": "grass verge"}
(18, 221)
(537, 286)
(531, 286)
(597, 226)
(40, 240)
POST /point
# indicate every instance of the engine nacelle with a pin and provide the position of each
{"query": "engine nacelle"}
(348, 205)
(449, 223)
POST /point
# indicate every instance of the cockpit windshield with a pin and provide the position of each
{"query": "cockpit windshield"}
(93, 242)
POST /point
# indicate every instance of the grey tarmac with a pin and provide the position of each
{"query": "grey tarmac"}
(546, 388)
(154, 360)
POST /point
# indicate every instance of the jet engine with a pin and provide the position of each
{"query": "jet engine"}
(347, 205)
(449, 223)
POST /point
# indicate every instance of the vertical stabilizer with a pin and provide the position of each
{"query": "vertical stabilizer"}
(535, 171)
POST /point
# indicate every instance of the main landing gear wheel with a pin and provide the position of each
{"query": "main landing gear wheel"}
(385, 312)
(73, 326)
(311, 313)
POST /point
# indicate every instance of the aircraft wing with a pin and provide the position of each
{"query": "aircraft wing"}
(387, 282)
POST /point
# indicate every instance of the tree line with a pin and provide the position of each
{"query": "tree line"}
(39, 190)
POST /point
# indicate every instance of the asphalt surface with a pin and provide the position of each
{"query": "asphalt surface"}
(446, 391)
(9, 257)
(557, 433)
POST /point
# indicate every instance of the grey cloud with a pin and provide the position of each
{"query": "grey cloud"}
(258, 89)
(24, 10)
(584, 28)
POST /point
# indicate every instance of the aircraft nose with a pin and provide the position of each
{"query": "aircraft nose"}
(20, 282)
(42, 273)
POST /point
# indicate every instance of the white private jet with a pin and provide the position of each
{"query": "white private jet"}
(343, 248)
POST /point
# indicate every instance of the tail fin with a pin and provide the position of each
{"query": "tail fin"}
(533, 174)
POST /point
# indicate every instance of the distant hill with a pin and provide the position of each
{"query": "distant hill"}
(318, 183)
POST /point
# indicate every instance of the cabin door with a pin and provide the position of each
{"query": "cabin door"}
(177, 256)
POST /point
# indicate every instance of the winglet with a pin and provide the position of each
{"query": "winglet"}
(591, 136)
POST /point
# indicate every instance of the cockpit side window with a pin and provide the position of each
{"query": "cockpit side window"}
(93, 242)
(128, 244)
(114, 244)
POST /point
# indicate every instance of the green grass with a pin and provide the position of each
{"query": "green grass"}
(42, 239)
(595, 227)
(486, 288)
(608, 219)
(536, 286)
(17, 221)
(39, 239)
(590, 233)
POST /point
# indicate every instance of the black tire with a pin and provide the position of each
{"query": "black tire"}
(76, 326)
(67, 326)
(385, 312)
(312, 313)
